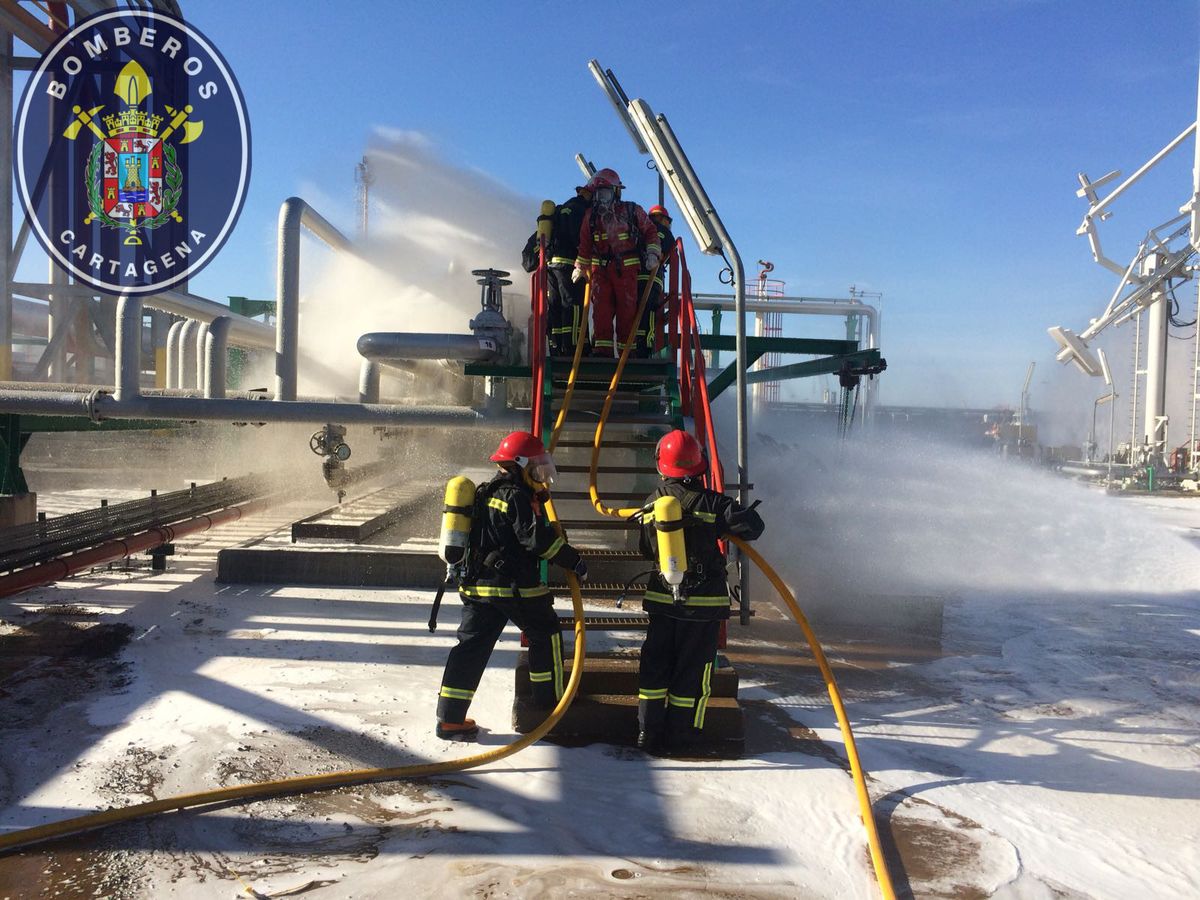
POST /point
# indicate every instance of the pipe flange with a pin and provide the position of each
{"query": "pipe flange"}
(92, 406)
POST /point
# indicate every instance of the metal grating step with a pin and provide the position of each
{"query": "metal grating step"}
(610, 470)
(575, 416)
(610, 495)
(640, 394)
(598, 524)
(607, 623)
(605, 590)
(647, 444)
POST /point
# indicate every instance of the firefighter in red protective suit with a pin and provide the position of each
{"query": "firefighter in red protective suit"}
(510, 536)
(679, 653)
(655, 314)
(616, 239)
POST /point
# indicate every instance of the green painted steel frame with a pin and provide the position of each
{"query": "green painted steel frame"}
(16, 430)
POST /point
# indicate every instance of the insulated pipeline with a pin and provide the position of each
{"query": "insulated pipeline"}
(290, 786)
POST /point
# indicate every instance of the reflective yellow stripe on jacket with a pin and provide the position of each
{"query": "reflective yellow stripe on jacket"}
(690, 600)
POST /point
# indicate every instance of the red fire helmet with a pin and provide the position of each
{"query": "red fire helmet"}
(679, 455)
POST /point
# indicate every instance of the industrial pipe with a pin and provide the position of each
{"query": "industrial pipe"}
(799, 306)
(397, 346)
(368, 382)
(216, 352)
(99, 405)
(66, 566)
(173, 335)
(129, 348)
(187, 354)
(243, 331)
(292, 214)
(201, 347)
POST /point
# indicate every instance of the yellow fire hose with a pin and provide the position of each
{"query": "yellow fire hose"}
(856, 769)
(566, 404)
(308, 783)
(835, 696)
(608, 400)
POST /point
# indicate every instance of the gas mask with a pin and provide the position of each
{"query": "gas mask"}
(605, 197)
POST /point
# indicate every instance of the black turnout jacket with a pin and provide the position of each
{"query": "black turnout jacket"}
(708, 517)
(510, 536)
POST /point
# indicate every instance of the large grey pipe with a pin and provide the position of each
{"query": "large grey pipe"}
(101, 405)
(187, 354)
(216, 352)
(128, 403)
(368, 382)
(243, 331)
(173, 335)
(292, 214)
(201, 347)
(129, 348)
(397, 346)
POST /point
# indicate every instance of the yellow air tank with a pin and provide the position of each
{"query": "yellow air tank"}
(545, 220)
(456, 520)
(672, 551)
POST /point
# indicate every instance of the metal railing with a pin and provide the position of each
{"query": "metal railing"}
(23, 545)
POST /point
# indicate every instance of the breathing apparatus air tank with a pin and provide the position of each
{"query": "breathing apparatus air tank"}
(456, 521)
(545, 222)
(672, 551)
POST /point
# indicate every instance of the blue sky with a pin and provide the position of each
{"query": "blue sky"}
(927, 150)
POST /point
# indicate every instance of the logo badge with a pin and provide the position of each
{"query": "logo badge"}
(132, 151)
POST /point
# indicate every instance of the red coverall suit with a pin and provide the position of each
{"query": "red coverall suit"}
(611, 243)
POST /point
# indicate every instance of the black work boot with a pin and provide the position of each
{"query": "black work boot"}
(651, 741)
(458, 731)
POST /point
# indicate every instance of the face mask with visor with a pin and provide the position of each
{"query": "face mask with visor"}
(541, 469)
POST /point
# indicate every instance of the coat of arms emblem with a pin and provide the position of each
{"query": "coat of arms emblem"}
(118, 171)
(133, 179)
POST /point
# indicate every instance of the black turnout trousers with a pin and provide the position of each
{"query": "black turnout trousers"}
(675, 675)
(480, 628)
(564, 320)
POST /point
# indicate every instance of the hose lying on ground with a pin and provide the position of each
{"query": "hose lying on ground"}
(835, 696)
(304, 784)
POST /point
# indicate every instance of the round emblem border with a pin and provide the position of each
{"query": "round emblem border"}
(36, 81)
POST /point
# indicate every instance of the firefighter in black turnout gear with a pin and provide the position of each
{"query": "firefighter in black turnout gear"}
(565, 302)
(509, 538)
(679, 654)
(654, 315)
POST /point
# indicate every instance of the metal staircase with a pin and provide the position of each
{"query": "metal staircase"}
(652, 397)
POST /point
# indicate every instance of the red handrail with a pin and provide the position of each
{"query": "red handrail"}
(693, 376)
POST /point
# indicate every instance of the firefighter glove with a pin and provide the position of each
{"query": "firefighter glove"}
(581, 571)
(577, 274)
(653, 254)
